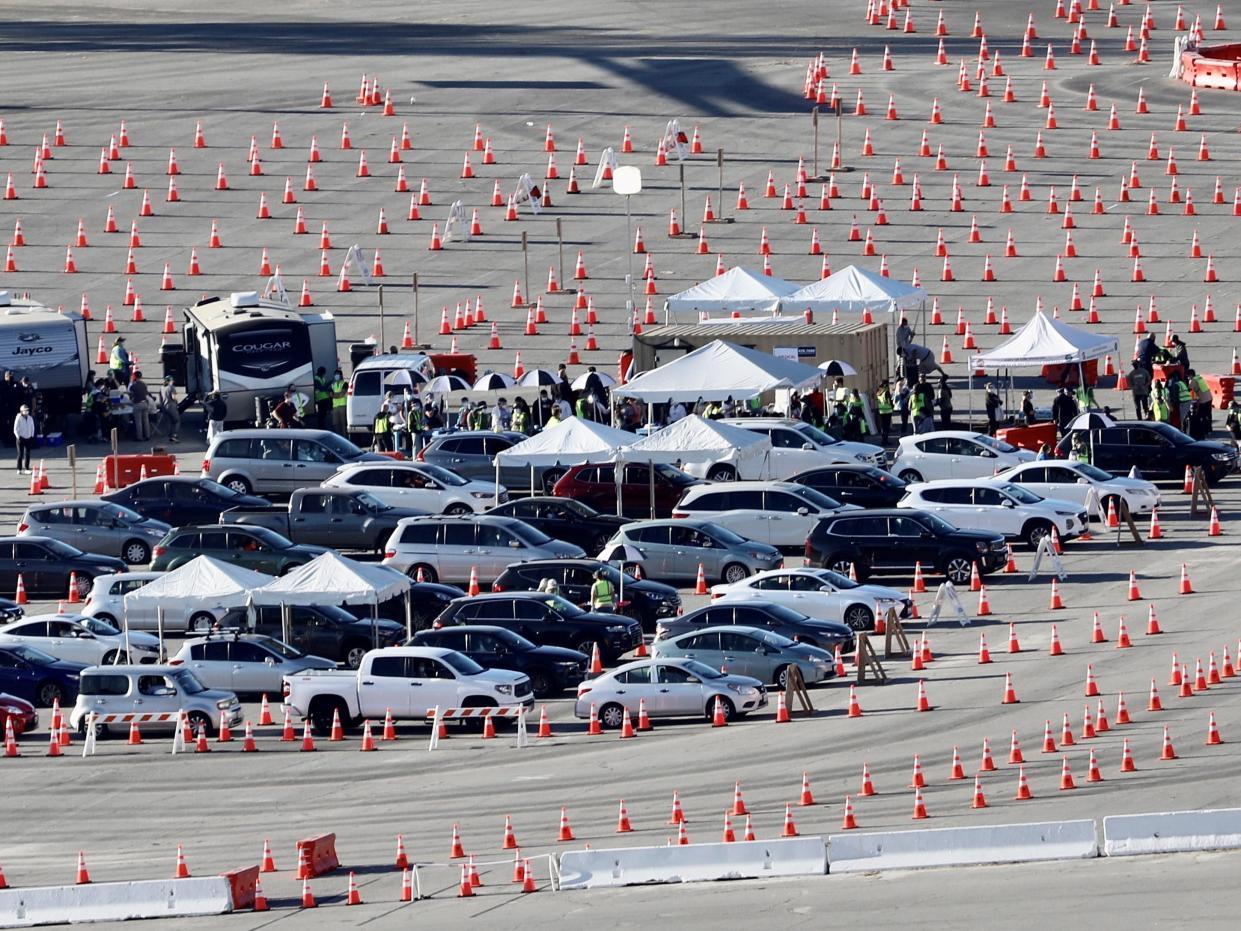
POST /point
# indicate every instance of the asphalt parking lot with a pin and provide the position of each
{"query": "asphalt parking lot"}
(590, 69)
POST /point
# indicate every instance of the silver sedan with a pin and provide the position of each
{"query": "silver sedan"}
(669, 688)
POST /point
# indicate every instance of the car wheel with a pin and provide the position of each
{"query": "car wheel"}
(238, 484)
(322, 715)
(381, 543)
(721, 473)
(199, 720)
(781, 679)
(1035, 532)
(727, 706)
(844, 567)
(136, 553)
(541, 685)
(958, 569)
(354, 654)
(478, 701)
(588, 647)
(108, 619)
(428, 573)
(101, 730)
(859, 617)
(734, 572)
(111, 658)
(458, 510)
(600, 542)
(550, 478)
(909, 475)
(611, 716)
(85, 584)
(200, 622)
(49, 693)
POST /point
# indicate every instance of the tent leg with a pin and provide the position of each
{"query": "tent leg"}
(409, 615)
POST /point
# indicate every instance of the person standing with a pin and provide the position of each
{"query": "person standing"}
(9, 402)
(901, 402)
(140, 398)
(340, 399)
(216, 410)
(945, 404)
(118, 361)
(1140, 385)
(602, 594)
(323, 398)
(883, 406)
(23, 433)
(1063, 410)
(168, 409)
(993, 408)
(1202, 405)
(381, 429)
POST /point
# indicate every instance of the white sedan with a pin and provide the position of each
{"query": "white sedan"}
(820, 593)
(428, 488)
(1070, 480)
(992, 504)
(925, 457)
(80, 639)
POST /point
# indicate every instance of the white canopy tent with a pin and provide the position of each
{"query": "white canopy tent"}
(1046, 341)
(203, 581)
(853, 289)
(569, 442)
(737, 289)
(334, 579)
(716, 372)
(694, 440)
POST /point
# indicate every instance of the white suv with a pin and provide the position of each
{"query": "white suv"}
(924, 457)
(417, 485)
(797, 445)
(779, 513)
(1070, 480)
(987, 504)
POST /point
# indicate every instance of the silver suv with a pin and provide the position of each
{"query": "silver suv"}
(261, 461)
(447, 548)
(96, 527)
(154, 696)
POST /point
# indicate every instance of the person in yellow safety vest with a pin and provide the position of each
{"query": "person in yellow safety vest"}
(1160, 411)
(1201, 419)
(323, 398)
(1085, 398)
(602, 594)
(118, 362)
(340, 398)
(382, 430)
(1081, 450)
(884, 407)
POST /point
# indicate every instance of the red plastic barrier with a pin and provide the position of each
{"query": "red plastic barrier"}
(322, 855)
(1161, 372)
(1032, 437)
(241, 882)
(127, 469)
(1222, 389)
(1053, 373)
(1215, 68)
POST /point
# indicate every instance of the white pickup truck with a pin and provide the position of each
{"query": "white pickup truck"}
(408, 681)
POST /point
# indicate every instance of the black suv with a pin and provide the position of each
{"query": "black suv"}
(890, 540)
(548, 620)
(1159, 450)
(764, 615)
(320, 630)
(564, 519)
(551, 669)
(645, 601)
(866, 486)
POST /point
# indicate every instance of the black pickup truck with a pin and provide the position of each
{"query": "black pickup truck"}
(342, 519)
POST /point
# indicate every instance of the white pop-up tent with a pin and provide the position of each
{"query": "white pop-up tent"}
(203, 581)
(854, 289)
(738, 289)
(716, 372)
(1046, 341)
(698, 444)
(330, 578)
(567, 443)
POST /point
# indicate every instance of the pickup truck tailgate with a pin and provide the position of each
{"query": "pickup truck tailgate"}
(300, 688)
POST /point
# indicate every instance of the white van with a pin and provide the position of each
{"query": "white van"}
(375, 376)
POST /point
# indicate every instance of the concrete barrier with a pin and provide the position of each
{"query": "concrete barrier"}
(1171, 832)
(631, 866)
(155, 898)
(1000, 843)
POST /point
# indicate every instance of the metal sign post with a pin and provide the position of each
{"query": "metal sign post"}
(560, 246)
(417, 341)
(814, 118)
(525, 260)
(381, 317)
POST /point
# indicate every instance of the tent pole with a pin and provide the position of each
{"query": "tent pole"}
(375, 624)
(409, 614)
(159, 627)
(650, 471)
(497, 495)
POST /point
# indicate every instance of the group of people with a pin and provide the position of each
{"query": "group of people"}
(1181, 398)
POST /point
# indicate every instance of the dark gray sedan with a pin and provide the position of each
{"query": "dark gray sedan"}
(98, 527)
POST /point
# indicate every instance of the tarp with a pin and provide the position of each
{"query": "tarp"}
(696, 439)
(737, 289)
(718, 371)
(854, 289)
(569, 442)
(333, 579)
(202, 580)
(1045, 341)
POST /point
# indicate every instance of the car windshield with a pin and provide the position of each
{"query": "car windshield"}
(673, 474)
(188, 682)
(821, 437)
(783, 614)
(367, 500)
(773, 639)
(1170, 432)
(31, 655)
(96, 626)
(582, 510)
(279, 647)
(443, 475)
(817, 498)
(462, 664)
(992, 443)
(1092, 472)
(529, 534)
(1024, 495)
(721, 534)
(270, 537)
(116, 512)
(936, 523)
(835, 579)
(63, 550)
(562, 606)
(339, 445)
(701, 670)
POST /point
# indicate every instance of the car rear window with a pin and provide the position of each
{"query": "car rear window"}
(101, 684)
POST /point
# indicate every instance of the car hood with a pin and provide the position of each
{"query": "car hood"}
(1023, 455)
(1130, 484)
(557, 654)
(962, 535)
(66, 668)
(152, 526)
(215, 695)
(855, 449)
(1211, 446)
(601, 617)
(651, 587)
(829, 628)
(472, 486)
(565, 550)
(739, 681)
(1058, 504)
(307, 548)
(501, 676)
(398, 513)
(383, 625)
(372, 457)
(876, 591)
(137, 638)
(104, 562)
(14, 702)
(806, 651)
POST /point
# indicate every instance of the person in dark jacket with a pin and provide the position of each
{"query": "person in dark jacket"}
(1063, 410)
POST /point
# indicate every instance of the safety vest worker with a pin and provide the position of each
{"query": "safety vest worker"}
(602, 595)
(340, 391)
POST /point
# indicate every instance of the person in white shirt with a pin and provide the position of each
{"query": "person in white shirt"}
(23, 432)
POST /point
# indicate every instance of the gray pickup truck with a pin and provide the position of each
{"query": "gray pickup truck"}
(350, 520)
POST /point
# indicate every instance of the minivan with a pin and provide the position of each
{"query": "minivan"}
(446, 548)
(674, 549)
(256, 461)
(372, 379)
(154, 695)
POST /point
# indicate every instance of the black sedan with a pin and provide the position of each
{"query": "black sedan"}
(427, 601)
(644, 600)
(565, 519)
(764, 615)
(45, 565)
(551, 669)
(547, 620)
(182, 499)
(866, 486)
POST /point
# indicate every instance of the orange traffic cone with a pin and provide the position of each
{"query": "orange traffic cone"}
(565, 833)
(790, 828)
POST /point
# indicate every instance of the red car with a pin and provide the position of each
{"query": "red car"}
(595, 484)
(23, 714)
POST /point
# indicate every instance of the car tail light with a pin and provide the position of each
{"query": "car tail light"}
(206, 466)
(389, 554)
(349, 390)
(159, 551)
(284, 688)
(582, 689)
(679, 514)
(23, 527)
(715, 595)
(175, 662)
(421, 456)
(497, 587)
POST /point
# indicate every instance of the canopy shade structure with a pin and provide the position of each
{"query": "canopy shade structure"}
(1046, 341)
(202, 580)
(737, 289)
(696, 439)
(854, 289)
(718, 371)
(569, 442)
(333, 579)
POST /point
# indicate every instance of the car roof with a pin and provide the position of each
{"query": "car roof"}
(766, 421)
(471, 629)
(762, 485)
(72, 502)
(989, 481)
(959, 434)
(873, 512)
(141, 574)
(26, 538)
(502, 596)
(664, 522)
(75, 618)
(227, 636)
(559, 561)
(837, 467)
(300, 433)
(722, 629)
(392, 361)
(502, 519)
(416, 651)
(375, 463)
(150, 669)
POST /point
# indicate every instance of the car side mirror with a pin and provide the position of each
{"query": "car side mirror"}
(514, 544)
(802, 512)
(807, 446)
(270, 661)
(692, 681)
(1008, 503)
(1083, 481)
(163, 692)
